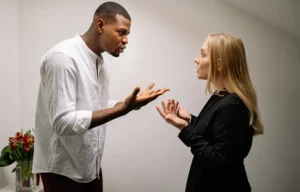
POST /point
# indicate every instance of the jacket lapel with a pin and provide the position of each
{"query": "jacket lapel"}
(208, 105)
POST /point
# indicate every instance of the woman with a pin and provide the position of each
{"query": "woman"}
(220, 137)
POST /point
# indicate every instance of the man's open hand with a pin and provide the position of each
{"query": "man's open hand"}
(135, 101)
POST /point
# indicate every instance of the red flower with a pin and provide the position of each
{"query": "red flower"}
(28, 141)
(21, 141)
(18, 136)
(12, 140)
(26, 147)
(31, 138)
(12, 146)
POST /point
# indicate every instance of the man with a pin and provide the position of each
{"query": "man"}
(72, 103)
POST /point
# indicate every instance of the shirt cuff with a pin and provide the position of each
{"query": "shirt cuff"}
(83, 122)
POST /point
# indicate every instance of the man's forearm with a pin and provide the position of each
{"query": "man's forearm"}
(119, 103)
(106, 115)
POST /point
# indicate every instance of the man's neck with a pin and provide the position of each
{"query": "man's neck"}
(90, 41)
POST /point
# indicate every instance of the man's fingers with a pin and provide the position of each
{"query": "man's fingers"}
(146, 99)
(150, 86)
(154, 93)
(158, 90)
(136, 91)
(161, 91)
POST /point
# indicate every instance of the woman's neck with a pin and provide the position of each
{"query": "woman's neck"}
(219, 85)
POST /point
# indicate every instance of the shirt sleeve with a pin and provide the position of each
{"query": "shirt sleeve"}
(229, 126)
(60, 88)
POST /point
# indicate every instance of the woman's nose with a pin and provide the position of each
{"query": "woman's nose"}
(196, 60)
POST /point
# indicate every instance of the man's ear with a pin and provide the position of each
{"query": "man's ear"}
(99, 25)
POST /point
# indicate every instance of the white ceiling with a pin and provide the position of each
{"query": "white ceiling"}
(282, 14)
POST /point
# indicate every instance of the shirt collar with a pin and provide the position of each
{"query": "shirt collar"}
(91, 53)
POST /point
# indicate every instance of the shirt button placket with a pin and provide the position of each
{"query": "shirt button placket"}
(98, 94)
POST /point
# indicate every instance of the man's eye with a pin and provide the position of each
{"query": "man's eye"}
(122, 33)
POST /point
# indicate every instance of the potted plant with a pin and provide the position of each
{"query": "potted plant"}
(20, 149)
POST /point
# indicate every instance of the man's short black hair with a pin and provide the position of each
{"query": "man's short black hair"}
(108, 11)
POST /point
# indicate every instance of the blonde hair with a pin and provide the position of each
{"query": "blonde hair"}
(229, 51)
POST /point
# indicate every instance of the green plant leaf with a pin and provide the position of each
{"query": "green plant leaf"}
(5, 160)
(5, 150)
(12, 156)
(28, 132)
(19, 154)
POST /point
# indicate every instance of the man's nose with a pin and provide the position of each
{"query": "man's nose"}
(125, 40)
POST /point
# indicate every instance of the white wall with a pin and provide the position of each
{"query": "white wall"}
(9, 79)
(142, 152)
